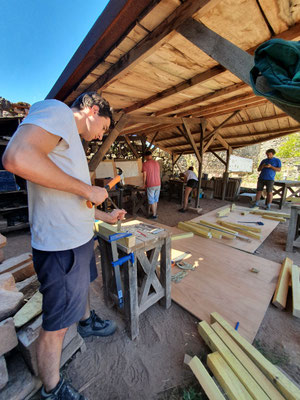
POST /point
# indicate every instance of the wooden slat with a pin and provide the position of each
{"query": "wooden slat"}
(284, 385)
(296, 290)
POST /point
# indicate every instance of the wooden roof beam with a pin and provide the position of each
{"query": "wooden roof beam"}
(254, 121)
(236, 60)
(191, 139)
(131, 147)
(153, 40)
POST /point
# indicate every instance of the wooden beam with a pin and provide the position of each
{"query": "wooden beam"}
(144, 119)
(221, 125)
(296, 290)
(131, 147)
(256, 120)
(153, 41)
(280, 295)
(191, 139)
(218, 157)
(152, 140)
(199, 78)
(209, 143)
(201, 99)
(279, 379)
(230, 56)
(222, 141)
(98, 157)
(215, 344)
(207, 383)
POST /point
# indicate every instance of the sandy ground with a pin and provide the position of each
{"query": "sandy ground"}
(151, 367)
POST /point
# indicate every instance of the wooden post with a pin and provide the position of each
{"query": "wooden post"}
(202, 129)
(98, 157)
(225, 175)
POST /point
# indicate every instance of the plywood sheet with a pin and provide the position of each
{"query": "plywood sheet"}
(235, 216)
(222, 282)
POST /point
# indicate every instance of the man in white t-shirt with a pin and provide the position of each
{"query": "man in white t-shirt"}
(191, 180)
(47, 151)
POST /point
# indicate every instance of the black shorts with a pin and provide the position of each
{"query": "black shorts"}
(261, 183)
(192, 183)
(65, 277)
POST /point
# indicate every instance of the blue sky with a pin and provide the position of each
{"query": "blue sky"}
(37, 40)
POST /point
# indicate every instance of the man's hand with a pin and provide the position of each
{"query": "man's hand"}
(116, 215)
(97, 195)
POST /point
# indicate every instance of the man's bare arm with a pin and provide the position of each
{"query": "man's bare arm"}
(27, 156)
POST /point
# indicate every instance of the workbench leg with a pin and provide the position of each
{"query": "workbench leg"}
(165, 272)
(283, 197)
(292, 228)
(131, 303)
(107, 271)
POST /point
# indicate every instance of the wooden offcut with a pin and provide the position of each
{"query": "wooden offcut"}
(198, 231)
(296, 290)
(282, 383)
(210, 388)
(2, 241)
(14, 262)
(106, 230)
(229, 382)
(216, 344)
(224, 212)
(281, 292)
(30, 310)
(180, 236)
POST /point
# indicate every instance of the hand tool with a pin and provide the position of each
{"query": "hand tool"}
(119, 261)
(251, 222)
(109, 186)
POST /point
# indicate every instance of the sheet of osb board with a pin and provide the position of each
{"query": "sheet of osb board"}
(239, 29)
(235, 217)
(222, 282)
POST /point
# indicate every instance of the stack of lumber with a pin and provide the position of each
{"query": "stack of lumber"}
(275, 216)
(249, 231)
(239, 368)
(2, 244)
(288, 273)
(207, 229)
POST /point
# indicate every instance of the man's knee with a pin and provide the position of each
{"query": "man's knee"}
(53, 335)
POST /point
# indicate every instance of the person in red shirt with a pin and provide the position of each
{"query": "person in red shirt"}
(151, 177)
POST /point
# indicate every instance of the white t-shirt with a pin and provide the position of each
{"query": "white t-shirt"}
(190, 175)
(59, 220)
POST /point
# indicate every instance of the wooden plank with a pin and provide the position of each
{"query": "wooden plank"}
(30, 310)
(216, 344)
(245, 232)
(197, 231)
(272, 217)
(283, 384)
(180, 236)
(250, 366)
(272, 213)
(245, 227)
(296, 290)
(235, 216)
(210, 388)
(224, 212)
(280, 295)
(230, 383)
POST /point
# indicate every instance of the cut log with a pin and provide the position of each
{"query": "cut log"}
(10, 302)
(280, 296)
(7, 282)
(30, 310)
(23, 272)
(283, 384)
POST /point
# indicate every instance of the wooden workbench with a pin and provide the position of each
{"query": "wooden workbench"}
(147, 279)
(281, 188)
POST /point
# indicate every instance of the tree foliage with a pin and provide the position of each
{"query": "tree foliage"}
(290, 148)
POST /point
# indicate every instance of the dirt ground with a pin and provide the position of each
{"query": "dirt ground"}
(151, 367)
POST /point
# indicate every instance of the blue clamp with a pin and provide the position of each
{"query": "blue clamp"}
(117, 236)
(123, 260)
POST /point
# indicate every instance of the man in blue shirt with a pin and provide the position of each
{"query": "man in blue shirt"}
(268, 168)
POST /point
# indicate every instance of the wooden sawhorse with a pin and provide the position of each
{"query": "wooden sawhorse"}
(145, 281)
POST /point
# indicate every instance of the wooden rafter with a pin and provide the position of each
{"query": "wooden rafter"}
(255, 121)
(218, 157)
(191, 139)
(230, 56)
(153, 40)
(131, 147)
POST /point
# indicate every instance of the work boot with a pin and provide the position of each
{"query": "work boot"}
(254, 205)
(182, 210)
(95, 326)
(62, 391)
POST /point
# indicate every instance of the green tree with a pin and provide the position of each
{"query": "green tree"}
(291, 147)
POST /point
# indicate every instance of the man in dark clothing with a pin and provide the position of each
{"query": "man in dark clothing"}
(268, 168)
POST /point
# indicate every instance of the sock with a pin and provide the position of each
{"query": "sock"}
(256, 203)
(269, 206)
(48, 394)
(85, 322)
